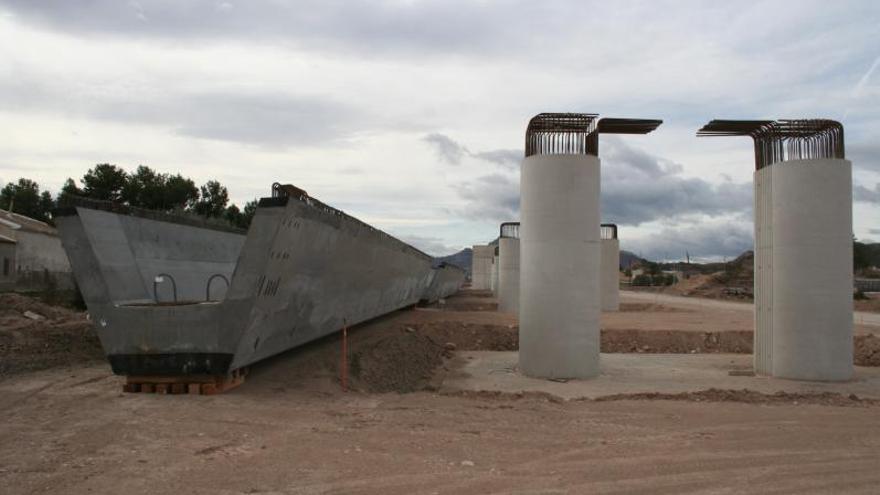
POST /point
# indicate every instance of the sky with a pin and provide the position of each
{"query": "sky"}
(411, 115)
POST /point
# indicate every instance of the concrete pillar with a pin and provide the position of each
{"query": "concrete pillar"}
(495, 272)
(481, 267)
(559, 266)
(763, 339)
(610, 278)
(811, 309)
(508, 271)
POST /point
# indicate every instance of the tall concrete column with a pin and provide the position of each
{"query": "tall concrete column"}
(508, 268)
(560, 253)
(812, 308)
(481, 267)
(803, 247)
(559, 270)
(610, 285)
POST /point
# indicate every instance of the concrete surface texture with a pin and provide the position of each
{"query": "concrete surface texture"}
(307, 270)
(508, 275)
(444, 281)
(481, 267)
(644, 373)
(804, 315)
(610, 278)
(812, 269)
(763, 290)
(559, 266)
(494, 282)
(303, 271)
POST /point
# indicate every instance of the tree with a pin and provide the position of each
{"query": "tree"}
(68, 189)
(861, 255)
(180, 193)
(250, 209)
(47, 204)
(233, 215)
(104, 182)
(24, 198)
(213, 201)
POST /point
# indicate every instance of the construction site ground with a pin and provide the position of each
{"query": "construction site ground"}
(667, 416)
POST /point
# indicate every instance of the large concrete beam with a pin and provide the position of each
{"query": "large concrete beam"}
(303, 271)
(445, 280)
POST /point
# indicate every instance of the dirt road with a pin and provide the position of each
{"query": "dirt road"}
(861, 318)
(74, 433)
(290, 429)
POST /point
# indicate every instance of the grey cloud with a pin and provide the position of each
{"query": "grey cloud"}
(266, 119)
(356, 26)
(447, 149)
(863, 194)
(874, 231)
(729, 239)
(506, 158)
(490, 197)
(864, 155)
(638, 187)
(451, 151)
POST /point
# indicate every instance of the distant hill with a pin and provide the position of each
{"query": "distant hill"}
(628, 259)
(461, 259)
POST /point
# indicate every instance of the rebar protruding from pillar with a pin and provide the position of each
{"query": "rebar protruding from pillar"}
(578, 133)
(782, 140)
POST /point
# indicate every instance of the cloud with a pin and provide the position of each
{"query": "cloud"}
(864, 155)
(874, 231)
(863, 194)
(447, 150)
(510, 159)
(260, 118)
(492, 197)
(638, 187)
(434, 246)
(707, 241)
(452, 152)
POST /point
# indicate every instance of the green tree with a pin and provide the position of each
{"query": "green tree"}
(180, 193)
(861, 255)
(250, 209)
(233, 215)
(104, 182)
(214, 198)
(68, 189)
(24, 198)
(47, 204)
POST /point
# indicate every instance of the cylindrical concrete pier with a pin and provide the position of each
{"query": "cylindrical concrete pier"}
(559, 266)
(812, 272)
(803, 246)
(508, 268)
(610, 279)
(481, 267)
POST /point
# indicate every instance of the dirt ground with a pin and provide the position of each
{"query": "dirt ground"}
(59, 337)
(871, 305)
(291, 429)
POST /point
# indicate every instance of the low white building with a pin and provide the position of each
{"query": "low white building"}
(31, 256)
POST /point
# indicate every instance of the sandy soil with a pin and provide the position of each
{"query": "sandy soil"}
(290, 428)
